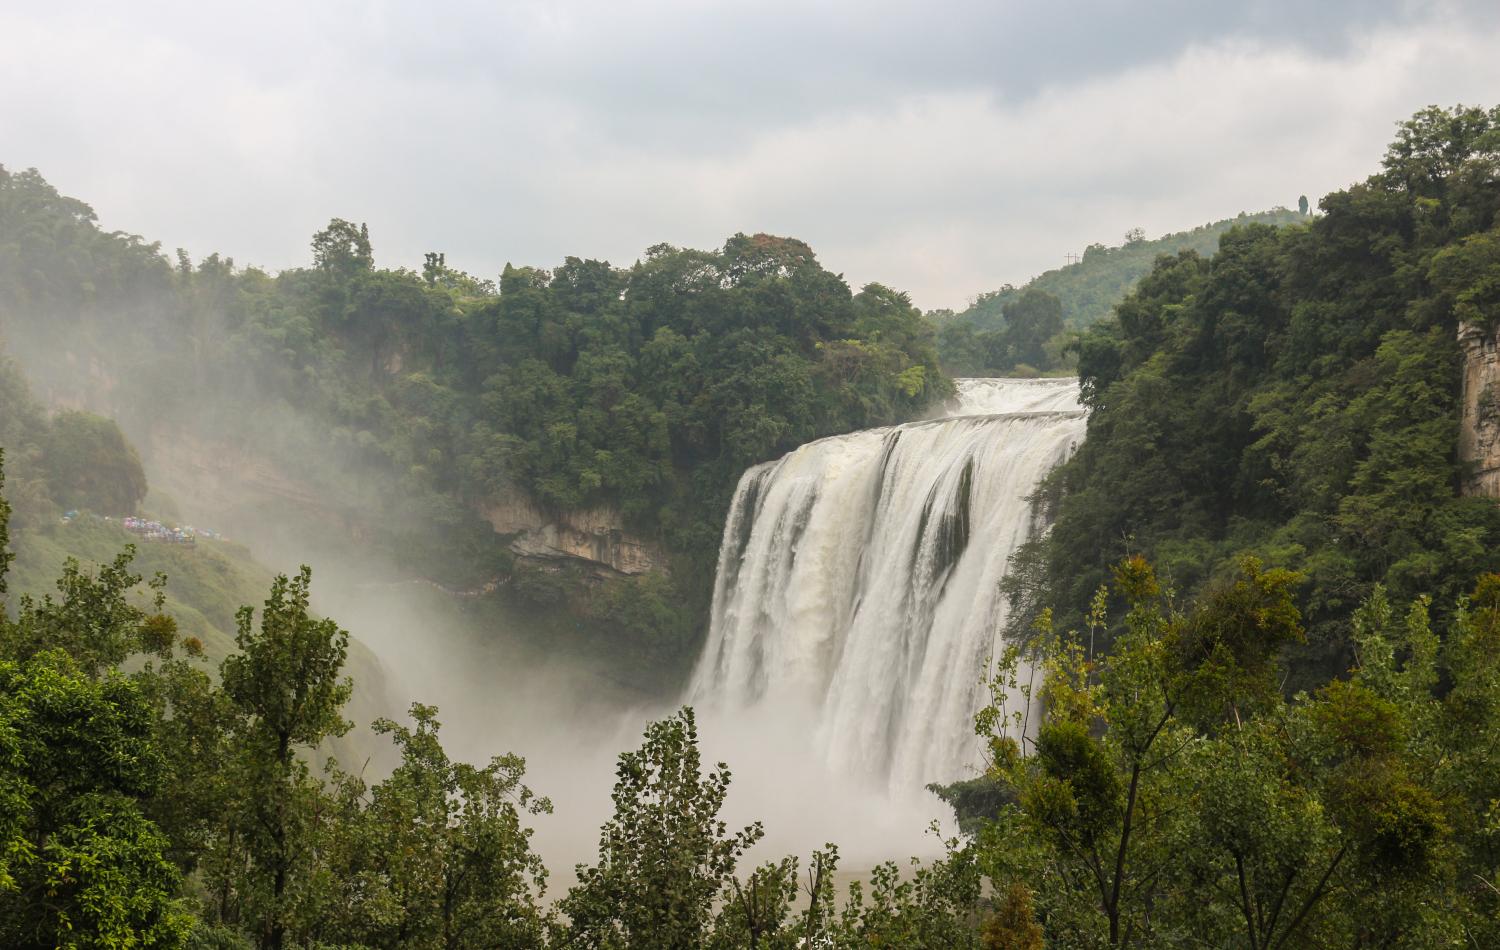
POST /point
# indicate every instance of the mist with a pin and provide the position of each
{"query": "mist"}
(246, 462)
(570, 721)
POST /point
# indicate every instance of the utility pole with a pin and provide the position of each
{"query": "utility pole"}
(1072, 258)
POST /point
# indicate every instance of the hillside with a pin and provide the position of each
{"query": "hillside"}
(1296, 397)
(1026, 329)
(1089, 288)
(71, 479)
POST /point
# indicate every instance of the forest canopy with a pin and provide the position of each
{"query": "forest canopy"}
(411, 400)
(1295, 397)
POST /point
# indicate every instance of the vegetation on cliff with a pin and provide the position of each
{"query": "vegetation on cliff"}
(1294, 397)
(65, 461)
(406, 399)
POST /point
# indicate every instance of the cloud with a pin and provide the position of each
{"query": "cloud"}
(940, 149)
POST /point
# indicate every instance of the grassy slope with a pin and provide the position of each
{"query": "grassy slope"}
(206, 584)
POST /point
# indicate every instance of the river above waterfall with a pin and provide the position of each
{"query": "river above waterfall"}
(859, 577)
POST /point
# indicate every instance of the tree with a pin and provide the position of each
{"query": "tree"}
(438, 856)
(90, 465)
(665, 855)
(1014, 925)
(94, 618)
(434, 265)
(925, 907)
(1302, 204)
(1294, 396)
(343, 250)
(1030, 321)
(1175, 797)
(5, 553)
(195, 731)
(80, 865)
(285, 684)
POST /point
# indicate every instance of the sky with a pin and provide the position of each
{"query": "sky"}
(942, 148)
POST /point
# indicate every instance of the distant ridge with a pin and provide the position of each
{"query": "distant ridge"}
(1089, 289)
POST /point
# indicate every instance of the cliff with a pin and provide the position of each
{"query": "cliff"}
(1479, 429)
(596, 535)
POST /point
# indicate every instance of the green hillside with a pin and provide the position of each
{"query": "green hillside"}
(1296, 397)
(70, 478)
(207, 583)
(1089, 289)
(1027, 328)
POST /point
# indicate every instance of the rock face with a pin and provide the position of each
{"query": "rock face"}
(596, 535)
(1479, 429)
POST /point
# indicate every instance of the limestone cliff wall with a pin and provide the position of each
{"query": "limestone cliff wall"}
(1479, 431)
(595, 534)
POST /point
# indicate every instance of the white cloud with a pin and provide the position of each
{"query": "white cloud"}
(536, 131)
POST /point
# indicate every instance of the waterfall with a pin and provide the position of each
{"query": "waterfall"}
(859, 576)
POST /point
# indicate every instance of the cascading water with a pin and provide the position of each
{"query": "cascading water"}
(859, 577)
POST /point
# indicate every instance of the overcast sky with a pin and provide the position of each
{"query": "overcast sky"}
(943, 148)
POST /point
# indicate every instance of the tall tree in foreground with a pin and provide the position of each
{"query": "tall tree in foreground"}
(665, 855)
(436, 856)
(286, 683)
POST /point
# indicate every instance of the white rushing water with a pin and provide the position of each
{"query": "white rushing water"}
(859, 577)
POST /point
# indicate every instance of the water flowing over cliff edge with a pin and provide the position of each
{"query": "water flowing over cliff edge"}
(859, 577)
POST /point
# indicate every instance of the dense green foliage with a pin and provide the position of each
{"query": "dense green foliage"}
(1173, 797)
(398, 404)
(435, 855)
(1296, 397)
(81, 860)
(90, 465)
(1006, 332)
(1030, 338)
(164, 807)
